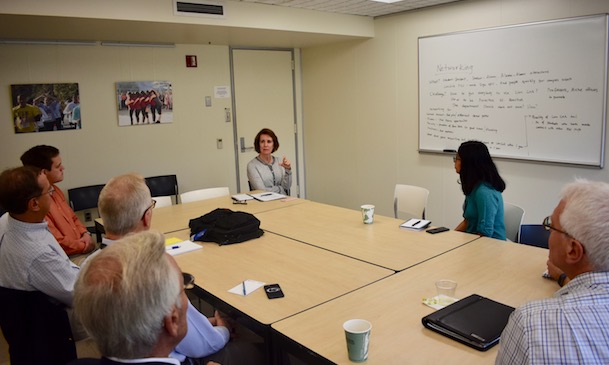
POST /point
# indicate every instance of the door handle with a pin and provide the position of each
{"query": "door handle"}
(243, 148)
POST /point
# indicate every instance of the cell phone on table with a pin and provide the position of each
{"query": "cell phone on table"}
(437, 230)
(273, 291)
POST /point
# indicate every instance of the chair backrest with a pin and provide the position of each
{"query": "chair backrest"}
(203, 194)
(163, 201)
(84, 197)
(163, 186)
(534, 235)
(411, 200)
(36, 328)
(512, 216)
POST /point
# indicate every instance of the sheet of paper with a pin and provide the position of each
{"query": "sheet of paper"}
(415, 224)
(265, 197)
(246, 287)
(182, 247)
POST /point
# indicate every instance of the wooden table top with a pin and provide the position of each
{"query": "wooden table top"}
(341, 230)
(503, 271)
(307, 275)
(176, 217)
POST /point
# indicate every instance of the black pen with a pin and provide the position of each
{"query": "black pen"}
(414, 224)
(244, 292)
(267, 194)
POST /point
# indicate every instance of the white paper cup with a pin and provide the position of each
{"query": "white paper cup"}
(368, 213)
(357, 334)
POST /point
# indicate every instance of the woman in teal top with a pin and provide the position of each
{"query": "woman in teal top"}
(482, 186)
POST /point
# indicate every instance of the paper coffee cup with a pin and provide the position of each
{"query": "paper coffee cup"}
(368, 213)
(357, 334)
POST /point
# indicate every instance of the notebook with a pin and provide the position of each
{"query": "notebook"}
(475, 321)
(265, 197)
(416, 224)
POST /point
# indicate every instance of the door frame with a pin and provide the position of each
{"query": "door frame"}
(298, 164)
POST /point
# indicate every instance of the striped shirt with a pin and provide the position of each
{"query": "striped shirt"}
(31, 259)
(570, 328)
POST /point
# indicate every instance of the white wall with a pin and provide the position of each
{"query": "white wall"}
(102, 149)
(361, 114)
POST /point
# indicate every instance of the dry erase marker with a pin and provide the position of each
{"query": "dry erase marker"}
(174, 247)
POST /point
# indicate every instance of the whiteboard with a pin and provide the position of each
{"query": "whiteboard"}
(533, 91)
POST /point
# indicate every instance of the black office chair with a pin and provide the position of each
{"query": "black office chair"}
(85, 198)
(36, 328)
(534, 235)
(165, 185)
(2, 211)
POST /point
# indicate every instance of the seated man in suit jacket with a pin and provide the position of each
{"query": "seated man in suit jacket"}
(130, 297)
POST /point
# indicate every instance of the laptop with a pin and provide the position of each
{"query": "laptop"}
(475, 321)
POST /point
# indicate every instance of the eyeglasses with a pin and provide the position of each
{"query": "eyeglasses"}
(50, 192)
(189, 280)
(149, 208)
(547, 224)
(456, 158)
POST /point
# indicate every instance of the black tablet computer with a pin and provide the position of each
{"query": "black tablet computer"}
(475, 321)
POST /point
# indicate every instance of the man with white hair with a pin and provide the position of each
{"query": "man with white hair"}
(573, 326)
(130, 297)
(126, 206)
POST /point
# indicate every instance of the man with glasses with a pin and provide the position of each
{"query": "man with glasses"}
(553, 271)
(68, 230)
(30, 258)
(114, 302)
(31, 261)
(125, 205)
(573, 326)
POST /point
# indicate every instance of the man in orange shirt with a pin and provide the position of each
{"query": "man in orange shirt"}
(63, 223)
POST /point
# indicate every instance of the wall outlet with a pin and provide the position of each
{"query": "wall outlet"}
(88, 217)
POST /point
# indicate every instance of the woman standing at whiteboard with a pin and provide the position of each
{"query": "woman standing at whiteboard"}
(482, 186)
(265, 172)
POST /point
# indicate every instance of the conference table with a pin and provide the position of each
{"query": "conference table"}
(307, 275)
(176, 217)
(506, 272)
(341, 230)
(332, 267)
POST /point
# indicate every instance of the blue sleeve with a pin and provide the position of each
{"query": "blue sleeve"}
(202, 339)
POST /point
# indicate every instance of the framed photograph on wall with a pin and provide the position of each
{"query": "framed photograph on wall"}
(45, 107)
(144, 102)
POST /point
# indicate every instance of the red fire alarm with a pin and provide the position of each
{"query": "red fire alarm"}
(191, 61)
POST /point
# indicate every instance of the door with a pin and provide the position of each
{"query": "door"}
(263, 97)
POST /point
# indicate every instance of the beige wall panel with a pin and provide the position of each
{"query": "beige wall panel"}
(102, 149)
(366, 94)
